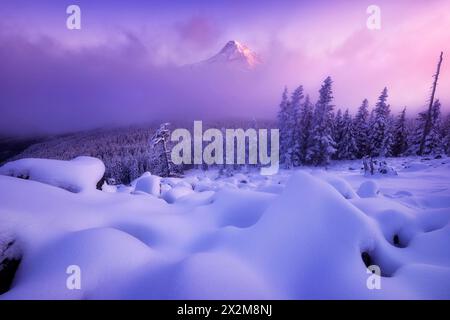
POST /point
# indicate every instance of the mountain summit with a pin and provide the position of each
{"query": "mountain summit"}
(234, 54)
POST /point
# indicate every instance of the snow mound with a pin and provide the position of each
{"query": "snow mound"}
(124, 189)
(197, 199)
(239, 208)
(415, 166)
(149, 184)
(368, 189)
(79, 174)
(217, 276)
(311, 228)
(271, 188)
(205, 185)
(177, 192)
(121, 254)
(308, 237)
(145, 174)
(341, 186)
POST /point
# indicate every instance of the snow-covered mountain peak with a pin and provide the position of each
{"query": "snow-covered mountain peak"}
(235, 53)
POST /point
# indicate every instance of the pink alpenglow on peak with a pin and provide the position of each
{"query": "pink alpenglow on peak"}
(235, 54)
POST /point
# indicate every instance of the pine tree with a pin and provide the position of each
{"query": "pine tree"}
(380, 132)
(294, 125)
(361, 126)
(389, 139)
(288, 122)
(337, 126)
(159, 141)
(305, 122)
(445, 132)
(400, 135)
(322, 145)
(347, 148)
(433, 141)
(283, 115)
(337, 130)
(428, 122)
(417, 132)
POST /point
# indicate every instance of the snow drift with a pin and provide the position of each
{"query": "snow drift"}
(310, 236)
(79, 174)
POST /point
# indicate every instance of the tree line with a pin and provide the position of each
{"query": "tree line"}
(314, 134)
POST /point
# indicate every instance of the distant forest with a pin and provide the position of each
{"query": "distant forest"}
(127, 152)
(310, 134)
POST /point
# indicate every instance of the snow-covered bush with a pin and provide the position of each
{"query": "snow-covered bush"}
(377, 167)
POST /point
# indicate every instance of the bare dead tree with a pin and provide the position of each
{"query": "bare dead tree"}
(427, 127)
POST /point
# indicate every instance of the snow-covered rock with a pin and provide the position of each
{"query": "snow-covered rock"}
(79, 174)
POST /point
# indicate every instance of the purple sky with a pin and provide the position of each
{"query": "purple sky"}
(124, 65)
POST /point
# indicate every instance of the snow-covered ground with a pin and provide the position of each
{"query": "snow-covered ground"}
(300, 234)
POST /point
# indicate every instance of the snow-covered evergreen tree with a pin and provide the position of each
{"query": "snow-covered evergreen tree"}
(283, 126)
(416, 135)
(294, 125)
(288, 123)
(337, 130)
(428, 125)
(305, 122)
(347, 148)
(433, 140)
(159, 144)
(446, 134)
(400, 145)
(361, 126)
(338, 125)
(429, 137)
(380, 131)
(322, 145)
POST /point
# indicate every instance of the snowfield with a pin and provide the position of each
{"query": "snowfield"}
(307, 233)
